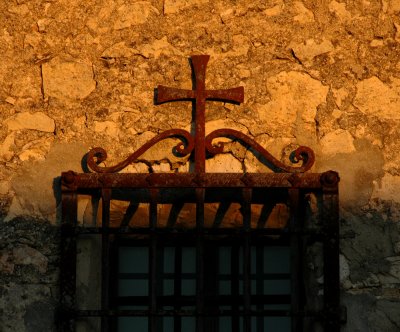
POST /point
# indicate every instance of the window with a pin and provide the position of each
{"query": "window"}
(238, 276)
(224, 284)
(207, 276)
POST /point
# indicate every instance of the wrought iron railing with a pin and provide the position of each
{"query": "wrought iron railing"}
(289, 185)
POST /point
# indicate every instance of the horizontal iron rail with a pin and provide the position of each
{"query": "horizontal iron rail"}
(137, 196)
(189, 313)
(190, 300)
(71, 231)
(192, 313)
(221, 277)
(74, 181)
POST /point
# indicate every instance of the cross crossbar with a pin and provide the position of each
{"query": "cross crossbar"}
(199, 95)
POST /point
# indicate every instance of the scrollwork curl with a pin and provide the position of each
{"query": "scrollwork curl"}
(98, 155)
(302, 153)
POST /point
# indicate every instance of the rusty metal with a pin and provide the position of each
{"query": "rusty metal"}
(105, 257)
(302, 153)
(287, 184)
(98, 155)
(330, 181)
(199, 143)
(295, 226)
(191, 180)
(330, 211)
(200, 259)
(246, 206)
(200, 95)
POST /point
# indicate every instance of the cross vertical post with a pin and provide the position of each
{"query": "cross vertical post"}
(199, 94)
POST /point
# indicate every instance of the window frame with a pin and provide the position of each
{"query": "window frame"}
(207, 188)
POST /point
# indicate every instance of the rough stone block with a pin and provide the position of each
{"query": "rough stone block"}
(174, 6)
(375, 98)
(133, 14)
(308, 50)
(28, 256)
(67, 79)
(295, 97)
(35, 121)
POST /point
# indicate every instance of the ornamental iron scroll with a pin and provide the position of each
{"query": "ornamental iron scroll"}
(288, 185)
(199, 143)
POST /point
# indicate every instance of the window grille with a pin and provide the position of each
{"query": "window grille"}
(223, 284)
(209, 277)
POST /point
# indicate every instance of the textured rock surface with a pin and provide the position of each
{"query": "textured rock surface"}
(80, 74)
(67, 79)
(31, 186)
(29, 267)
(338, 141)
(291, 112)
(374, 98)
(308, 50)
(133, 14)
(36, 121)
(174, 6)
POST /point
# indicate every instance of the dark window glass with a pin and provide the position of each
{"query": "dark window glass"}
(270, 275)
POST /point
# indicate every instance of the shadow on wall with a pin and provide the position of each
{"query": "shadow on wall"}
(37, 185)
(372, 314)
(57, 195)
(357, 172)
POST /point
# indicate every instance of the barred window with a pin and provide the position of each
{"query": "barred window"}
(176, 281)
(220, 275)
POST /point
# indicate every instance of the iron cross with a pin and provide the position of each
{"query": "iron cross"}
(199, 94)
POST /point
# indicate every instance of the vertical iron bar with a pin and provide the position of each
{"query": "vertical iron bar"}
(330, 215)
(235, 287)
(114, 279)
(260, 283)
(153, 260)
(178, 286)
(295, 258)
(211, 281)
(246, 210)
(68, 259)
(200, 195)
(105, 257)
(199, 65)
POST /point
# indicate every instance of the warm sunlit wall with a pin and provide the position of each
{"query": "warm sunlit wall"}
(80, 74)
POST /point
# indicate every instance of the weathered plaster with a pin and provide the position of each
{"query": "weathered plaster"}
(80, 74)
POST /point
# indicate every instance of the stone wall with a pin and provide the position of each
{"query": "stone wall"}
(80, 74)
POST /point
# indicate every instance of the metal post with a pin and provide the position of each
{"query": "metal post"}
(235, 287)
(200, 195)
(178, 286)
(295, 226)
(246, 211)
(105, 258)
(330, 216)
(260, 283)
(68, 253)
(153, 260)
